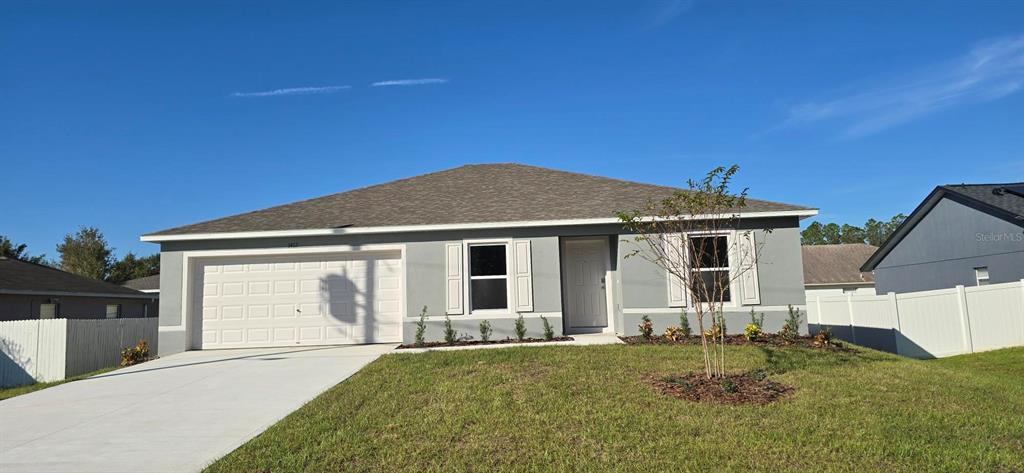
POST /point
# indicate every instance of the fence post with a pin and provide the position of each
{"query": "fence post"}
(896, 321)
(965, 318)
(853, 325)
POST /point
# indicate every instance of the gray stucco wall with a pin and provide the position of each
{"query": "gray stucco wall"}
(635, 285)
(943, 249)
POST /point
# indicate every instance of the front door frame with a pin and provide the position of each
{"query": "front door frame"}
(608, 280)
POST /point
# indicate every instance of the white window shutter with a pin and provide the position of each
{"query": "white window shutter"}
(676, 257)
(748, 263)
(522, 273)
(453, 278)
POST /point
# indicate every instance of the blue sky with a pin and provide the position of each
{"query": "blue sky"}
(138, 116)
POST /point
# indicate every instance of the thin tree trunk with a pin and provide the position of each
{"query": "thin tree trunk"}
(704, 344)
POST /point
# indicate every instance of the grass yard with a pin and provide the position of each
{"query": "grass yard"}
(7, 393)
(588, 408)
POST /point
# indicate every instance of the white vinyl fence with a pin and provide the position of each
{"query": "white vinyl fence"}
(926, 324)
(50, 350)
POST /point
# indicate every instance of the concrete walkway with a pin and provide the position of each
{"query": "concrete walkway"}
(174, 414)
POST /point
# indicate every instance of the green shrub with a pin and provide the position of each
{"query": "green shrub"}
(549, 331)
(823, 337)
(684, 324)
(754, 319)
(791, 329)
(646, 327)
(135, 355)
(520, 328)
(673, 333)
(729, 386)
(421, 327)
(485, 330)
(450, 335)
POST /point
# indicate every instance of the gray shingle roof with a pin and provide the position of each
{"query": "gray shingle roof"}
(994, 195)
(836, 264)
(17, 276)
(147, 283)
(482, 193)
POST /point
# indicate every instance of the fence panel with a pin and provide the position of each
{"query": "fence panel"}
(96, 344)
(996, 316)
(874, 319)
(930, 324)
(32, 351)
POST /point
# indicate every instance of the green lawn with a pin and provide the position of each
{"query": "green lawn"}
(587, 408)
(7, 393)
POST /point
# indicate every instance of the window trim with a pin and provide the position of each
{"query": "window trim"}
(730, 240)
(56, 310)
(978, 278)
(117, 311)
(467, 286)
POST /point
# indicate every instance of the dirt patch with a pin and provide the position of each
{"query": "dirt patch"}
(735, 389)
(464, 343)
(771, 340)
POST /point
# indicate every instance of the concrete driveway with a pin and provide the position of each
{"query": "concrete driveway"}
(175, 414)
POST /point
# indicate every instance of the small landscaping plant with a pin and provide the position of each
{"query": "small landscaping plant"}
(134, 355)
(646, 327)
(791, 329)
(549, 331)
(421, 327)
(757, 320)
(450, 335)
(752, 332)
(684, 324)
(520, 328)
(673, 333)
(485, 330)
(714, 332)
(729, 386)
(823, 337)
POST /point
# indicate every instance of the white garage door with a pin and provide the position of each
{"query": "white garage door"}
(301, 300)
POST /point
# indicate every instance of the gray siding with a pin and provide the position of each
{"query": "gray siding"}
(943, 249)
(19, 307)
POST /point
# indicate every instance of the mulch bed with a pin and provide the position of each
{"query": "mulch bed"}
(735, 389)
(765, 340)
(463, 343)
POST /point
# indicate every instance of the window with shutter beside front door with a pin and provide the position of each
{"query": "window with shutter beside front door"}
(523, 274)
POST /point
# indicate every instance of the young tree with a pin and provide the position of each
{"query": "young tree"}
(18, 251)
(86, 253)
(132, 267)
(686, 234)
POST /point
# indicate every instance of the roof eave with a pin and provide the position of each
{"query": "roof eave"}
(157, 238)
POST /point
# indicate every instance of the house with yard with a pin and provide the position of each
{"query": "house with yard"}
(965, 234)
(832, 270)
(147, 284)
(479, 242)
(35, 291)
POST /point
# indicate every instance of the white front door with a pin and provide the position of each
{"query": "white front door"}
(262, 301)
(583, 276)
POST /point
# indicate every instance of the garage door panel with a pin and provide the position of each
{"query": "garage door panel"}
(301, 300)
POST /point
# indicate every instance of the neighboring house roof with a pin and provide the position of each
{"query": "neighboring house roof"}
(1005, 201)
(147, 283)
(472, 194)
(836, 264)
(22, 277)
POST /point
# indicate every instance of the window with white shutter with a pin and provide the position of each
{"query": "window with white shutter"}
(523, 275)
(748, 265)
(453, 278)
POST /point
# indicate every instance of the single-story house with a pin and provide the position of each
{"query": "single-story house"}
(34, 291)
(474, 243)
(834, 270)
(147, 284)
(965, 234)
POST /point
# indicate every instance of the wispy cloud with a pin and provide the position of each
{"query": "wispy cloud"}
(293, 91)
(989, 71)
(666, 11)
(387, 83)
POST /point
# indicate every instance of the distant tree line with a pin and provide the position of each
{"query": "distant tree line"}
(873, 232)
(87, 253)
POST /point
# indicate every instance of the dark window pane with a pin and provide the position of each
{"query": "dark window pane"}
(709, 285)
(487, 260)
(709, 252)
(488, 293)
